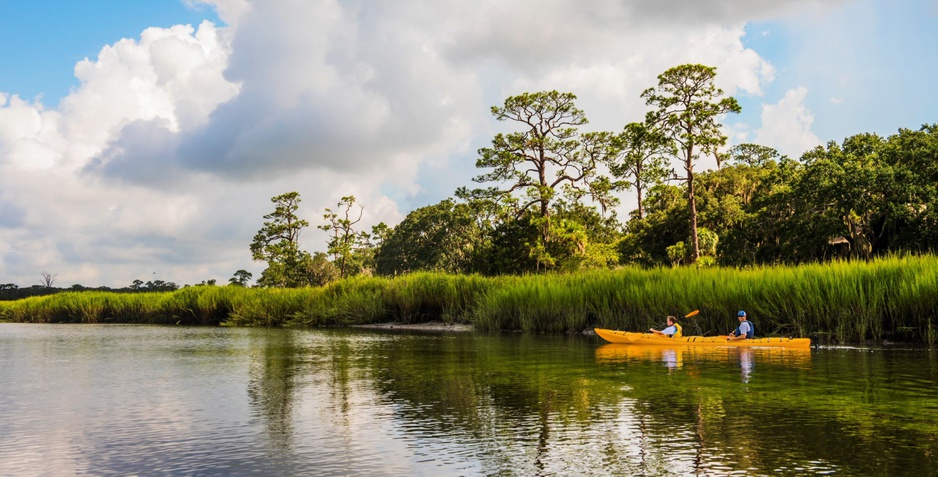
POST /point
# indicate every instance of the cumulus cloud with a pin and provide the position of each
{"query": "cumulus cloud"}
(166, 154)
(786, 125)
(336, 88)
(341, 86)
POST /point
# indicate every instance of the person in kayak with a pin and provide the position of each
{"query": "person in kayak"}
(672, 331)
(744, 330)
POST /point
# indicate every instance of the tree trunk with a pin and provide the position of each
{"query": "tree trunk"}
(641, 210)
(545, 205)
(692, 204)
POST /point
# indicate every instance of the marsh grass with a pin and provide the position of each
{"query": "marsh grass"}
(890, 298)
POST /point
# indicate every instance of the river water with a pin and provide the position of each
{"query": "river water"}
(148, 400)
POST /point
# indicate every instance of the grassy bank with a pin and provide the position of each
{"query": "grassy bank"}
(895, 298)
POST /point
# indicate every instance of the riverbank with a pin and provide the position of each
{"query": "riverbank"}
(428, 326)
(892, 299)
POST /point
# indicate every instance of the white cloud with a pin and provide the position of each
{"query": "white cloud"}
(786, 125)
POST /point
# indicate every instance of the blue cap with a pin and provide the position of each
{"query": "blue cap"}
(741, 313)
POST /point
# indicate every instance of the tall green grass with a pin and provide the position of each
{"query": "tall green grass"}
(892, 298)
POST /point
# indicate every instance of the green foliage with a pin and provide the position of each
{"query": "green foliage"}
(708, 242)
(752, 154)
(677, 253)
(546, 161)
(445, 237)
(705, 261)
(642, 159)
(913, 209)
(345, 241)
(320, 270)
(241, 278)
(598, 228)
(509, 249)
(867, 197)
(665, 224)
(277, 243)
(270, 307)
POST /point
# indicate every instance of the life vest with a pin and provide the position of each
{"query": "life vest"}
(678, 333)
(749, 334)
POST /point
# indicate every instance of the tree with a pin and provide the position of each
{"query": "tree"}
(677, 253)
(752, 154)
(277, 243)
(747, 207)
(160, 285)
(545, 158)
(913, 207)
(344, 239)
(320, 270)
(665, 223)
(48, 279)
(687, 107)
(443, 237)
(642, 159)
(379, 233)
(509, 246)
(848, 188)
(241, 278)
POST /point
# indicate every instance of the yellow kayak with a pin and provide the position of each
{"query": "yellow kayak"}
(627, 337)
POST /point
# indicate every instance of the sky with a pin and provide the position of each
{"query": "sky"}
(144, 140)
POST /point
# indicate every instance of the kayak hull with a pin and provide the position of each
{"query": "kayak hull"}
(651, 339)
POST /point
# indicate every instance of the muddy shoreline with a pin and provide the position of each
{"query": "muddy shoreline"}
(428, 326)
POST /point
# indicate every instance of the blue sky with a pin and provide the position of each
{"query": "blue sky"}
(875, 58)
(155, 141)
(41, 40)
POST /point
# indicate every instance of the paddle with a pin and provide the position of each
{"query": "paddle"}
(693, 313)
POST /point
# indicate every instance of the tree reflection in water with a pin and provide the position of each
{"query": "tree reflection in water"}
(271, 387)
(565, 404)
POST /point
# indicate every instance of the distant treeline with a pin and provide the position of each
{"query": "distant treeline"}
(893, 298)
(11, 291)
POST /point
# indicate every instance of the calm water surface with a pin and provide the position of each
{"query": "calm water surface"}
(142, 400)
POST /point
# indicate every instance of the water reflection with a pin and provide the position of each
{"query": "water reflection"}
(675, 357)
(271, 386)
(334, 402)
(746, 363)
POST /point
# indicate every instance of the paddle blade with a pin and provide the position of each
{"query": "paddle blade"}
(691, 314)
